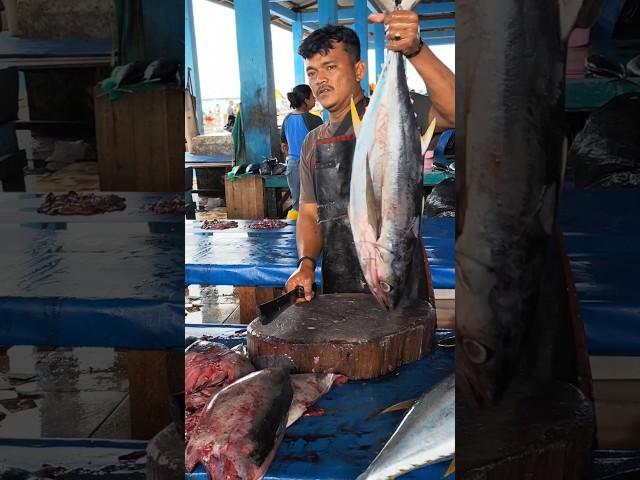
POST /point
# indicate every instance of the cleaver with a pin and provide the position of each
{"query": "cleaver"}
(270, 309)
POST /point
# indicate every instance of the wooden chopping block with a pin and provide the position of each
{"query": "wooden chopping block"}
(539, 431)
(349, 334)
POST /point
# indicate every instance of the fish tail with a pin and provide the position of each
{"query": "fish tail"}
(451, 469)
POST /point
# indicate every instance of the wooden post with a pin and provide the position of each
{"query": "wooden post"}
(251, 297)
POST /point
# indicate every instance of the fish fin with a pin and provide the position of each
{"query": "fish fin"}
(372, 210)
(574, 13)
(451, 469)
(407, 404)
(425, 139)
(355, 119)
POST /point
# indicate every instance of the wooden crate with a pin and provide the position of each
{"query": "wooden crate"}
(140, 140)
(245, 198)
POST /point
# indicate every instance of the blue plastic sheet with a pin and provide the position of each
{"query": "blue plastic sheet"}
(92, 284)
(342, 443)
(23, 208)
(602, 234)
(265, 258)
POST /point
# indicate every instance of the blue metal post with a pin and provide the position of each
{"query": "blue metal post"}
(191, 60)
(298, 61)
(361, 28)
(327, 12)
(378, 35)
(257, 88)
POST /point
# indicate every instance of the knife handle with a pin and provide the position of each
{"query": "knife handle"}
(300, 290)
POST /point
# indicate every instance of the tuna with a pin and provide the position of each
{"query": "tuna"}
(425, 436)
(385, 208)
(509, 176)
(242, 426)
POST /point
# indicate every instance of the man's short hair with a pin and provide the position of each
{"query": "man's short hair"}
(322, 40)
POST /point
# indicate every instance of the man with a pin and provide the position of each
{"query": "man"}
(334, 70)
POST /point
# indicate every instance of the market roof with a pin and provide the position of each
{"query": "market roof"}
(437, 18)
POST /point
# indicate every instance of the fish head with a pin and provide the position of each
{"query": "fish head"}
(334, 76)
(489, 331)
(387, 283)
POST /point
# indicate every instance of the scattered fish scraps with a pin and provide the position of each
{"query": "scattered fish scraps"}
(385, 204)
(167, 206)
(267, 224)
(242, 426)
(216, 224)
(73, 203)
(425, 436)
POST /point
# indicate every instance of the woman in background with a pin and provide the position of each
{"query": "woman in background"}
(295, 127)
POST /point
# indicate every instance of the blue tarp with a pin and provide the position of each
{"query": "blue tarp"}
(111, 280)
(340, 444)
(265, 258)
(602, 234)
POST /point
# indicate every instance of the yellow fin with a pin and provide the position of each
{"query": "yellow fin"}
(355, 118)
(399, 406)
(451, 469)
(425, 140)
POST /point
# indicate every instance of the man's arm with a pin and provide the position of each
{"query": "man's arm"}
(439, 80)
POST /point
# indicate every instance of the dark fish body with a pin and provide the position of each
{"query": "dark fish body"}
(633, 67)
(600, 66)
(509, 175)
(242, 426)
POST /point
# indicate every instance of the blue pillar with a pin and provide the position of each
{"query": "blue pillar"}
(327, 12)
(378, 36)
(298, 61)
(191, 60)
(361, 27)
(257, 89)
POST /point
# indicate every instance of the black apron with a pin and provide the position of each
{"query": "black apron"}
(341, 271)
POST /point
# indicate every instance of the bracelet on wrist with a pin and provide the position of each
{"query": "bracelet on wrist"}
(418, 50)
(301, 259)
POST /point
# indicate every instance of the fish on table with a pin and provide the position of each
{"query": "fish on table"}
(386, 194)
(510, 169)
(240, 429)
(425, 436)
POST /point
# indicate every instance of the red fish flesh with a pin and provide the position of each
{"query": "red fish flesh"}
(242, 426)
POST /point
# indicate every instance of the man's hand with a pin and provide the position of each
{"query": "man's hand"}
(303, 276)
(403, 30)
(284, 147)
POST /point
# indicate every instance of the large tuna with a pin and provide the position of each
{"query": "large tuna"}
(425, 436)
(509, 175)
(385, 208)
(242, 426)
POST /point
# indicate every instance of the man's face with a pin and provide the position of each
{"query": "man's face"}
(333, 77)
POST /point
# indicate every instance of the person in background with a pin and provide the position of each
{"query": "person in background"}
(295, 127)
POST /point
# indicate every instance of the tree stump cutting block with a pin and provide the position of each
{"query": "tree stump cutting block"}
(539, 431)
(349, 334)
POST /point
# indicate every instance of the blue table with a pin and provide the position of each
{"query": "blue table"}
(602, 235)
(199, 161)
(340, 444)
(23, 208)
(112, 280)
(265, 258)
(71, 453)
